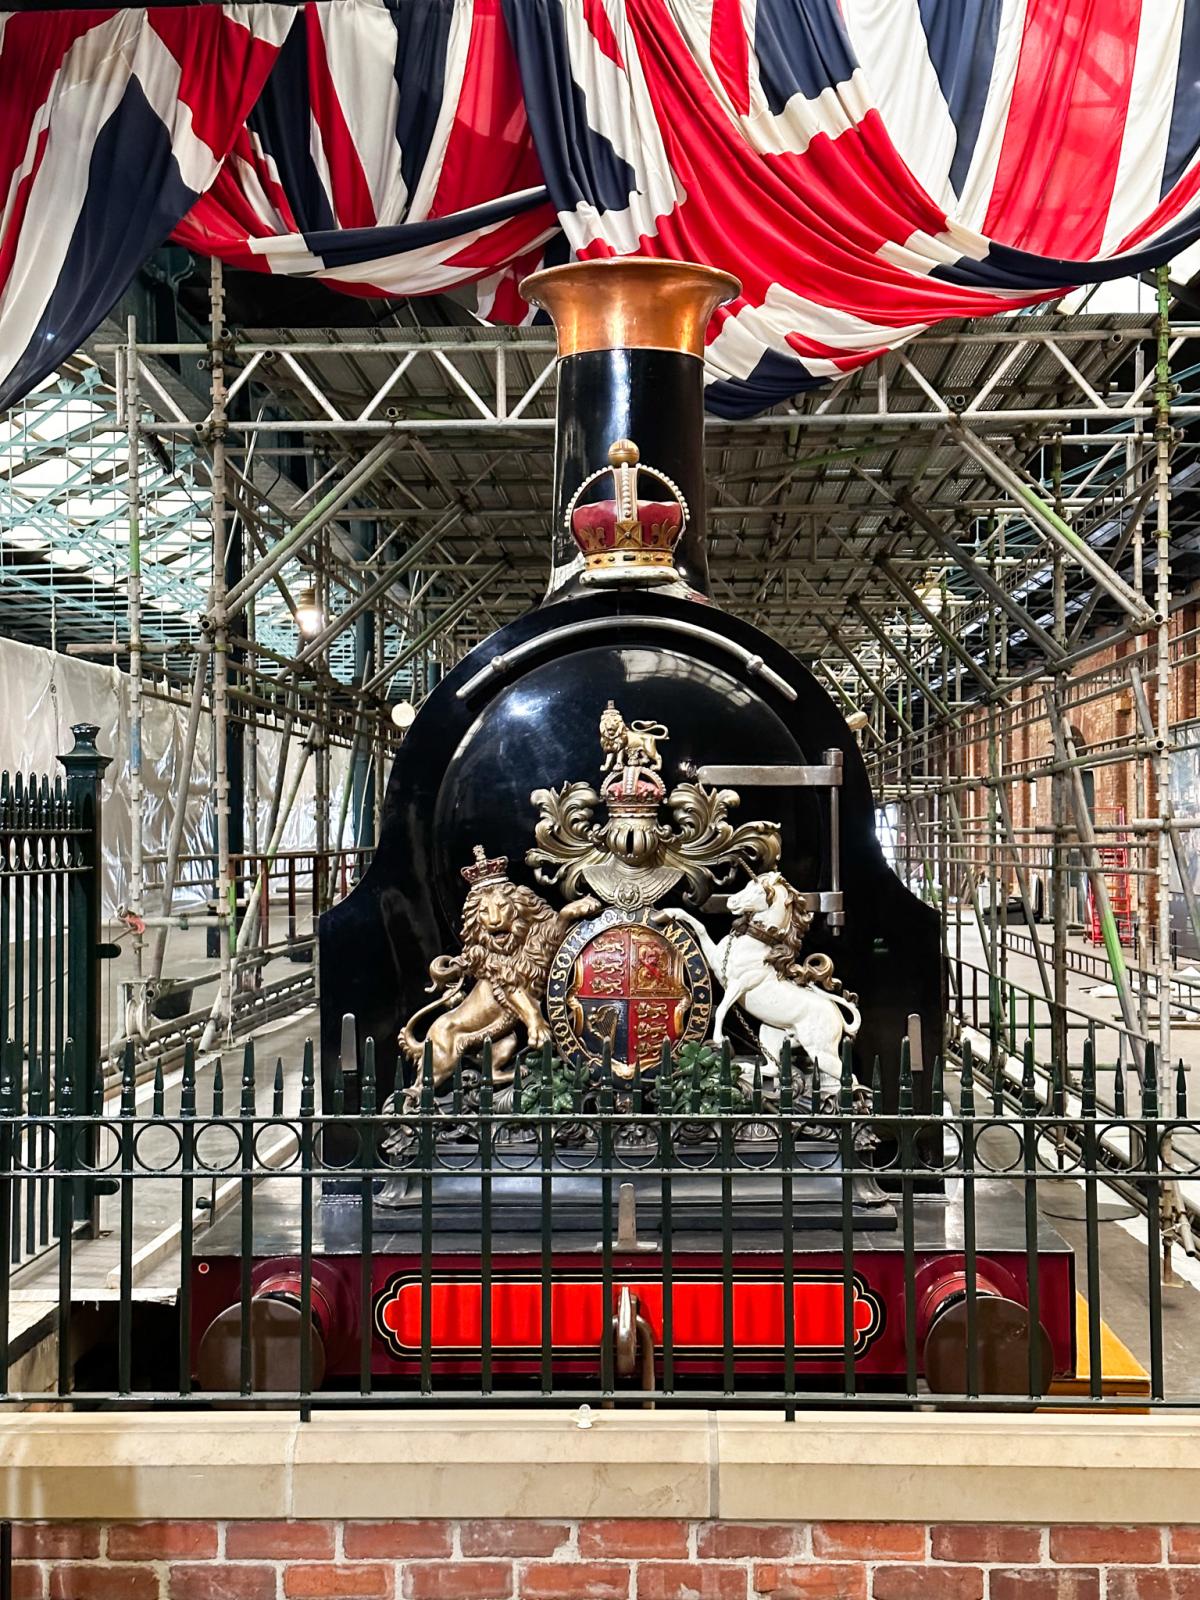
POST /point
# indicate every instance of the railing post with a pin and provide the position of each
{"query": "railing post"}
(264, 915)
(84, 766)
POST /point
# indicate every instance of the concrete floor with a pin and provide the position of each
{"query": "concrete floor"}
(1123, 1232)
(1103, 1009)
(186, 962)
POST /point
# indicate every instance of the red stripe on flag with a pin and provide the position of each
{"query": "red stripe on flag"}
(350, 194)
(601, 30)
(224, 219)
(490, 149)
(730, 50)
(507, 306)
(1066, 123)
(1167, 209)
(222, 68)
(247, 154)
(17, 208)
(812, 223)
(500, 244)
(206, 230)
(815, 350)
(31, 58)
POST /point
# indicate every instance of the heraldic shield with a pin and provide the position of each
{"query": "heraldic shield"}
(622, 981)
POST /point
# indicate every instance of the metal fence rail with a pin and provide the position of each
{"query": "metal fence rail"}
(690, 1237)
(294, 886)
(1009, 1013)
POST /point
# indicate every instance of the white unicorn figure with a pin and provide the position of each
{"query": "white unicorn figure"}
(770, 923)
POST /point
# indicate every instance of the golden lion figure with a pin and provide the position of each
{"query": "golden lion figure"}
(509, 936)
(629, 744)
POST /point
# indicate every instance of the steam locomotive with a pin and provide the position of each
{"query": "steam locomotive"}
(629, 848)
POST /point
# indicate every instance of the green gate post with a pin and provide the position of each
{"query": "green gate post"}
(85, 767)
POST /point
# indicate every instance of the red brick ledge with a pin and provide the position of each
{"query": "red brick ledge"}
(1039, 1470)
(601, 1559)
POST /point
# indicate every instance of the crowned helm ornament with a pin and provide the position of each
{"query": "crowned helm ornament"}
(626, 539)
(632, 855)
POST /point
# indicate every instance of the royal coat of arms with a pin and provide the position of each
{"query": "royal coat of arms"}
(618, 979)
(627, 981)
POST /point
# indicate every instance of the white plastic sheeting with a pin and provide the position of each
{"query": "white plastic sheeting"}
(42, 694)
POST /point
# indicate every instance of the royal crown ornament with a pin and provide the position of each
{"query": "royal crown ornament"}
(485, 869)
(625, 539)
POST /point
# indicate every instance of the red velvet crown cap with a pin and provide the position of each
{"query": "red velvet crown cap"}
(601, 532)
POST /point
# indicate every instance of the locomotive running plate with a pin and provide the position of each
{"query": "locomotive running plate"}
(624, 981)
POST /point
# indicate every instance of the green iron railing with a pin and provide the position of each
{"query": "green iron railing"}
(661, 1132)
(49, 959)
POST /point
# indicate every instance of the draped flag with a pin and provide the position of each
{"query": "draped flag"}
(112, 124)
(865, 167)
(388, 154)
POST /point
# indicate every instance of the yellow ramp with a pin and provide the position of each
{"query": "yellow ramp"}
(1121, 1373)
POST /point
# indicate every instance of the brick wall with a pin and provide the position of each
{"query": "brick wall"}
(601, 1560)
(1109, 719)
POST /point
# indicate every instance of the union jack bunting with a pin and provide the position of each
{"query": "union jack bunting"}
(865, 167)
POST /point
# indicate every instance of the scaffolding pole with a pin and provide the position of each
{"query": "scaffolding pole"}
(136, 1020)
(220, 1024)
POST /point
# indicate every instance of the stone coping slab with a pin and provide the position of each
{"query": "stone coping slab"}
(519, 1463)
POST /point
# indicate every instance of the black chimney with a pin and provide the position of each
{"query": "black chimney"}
(630, 367)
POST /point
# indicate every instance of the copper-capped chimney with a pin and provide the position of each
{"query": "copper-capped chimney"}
(630, 367)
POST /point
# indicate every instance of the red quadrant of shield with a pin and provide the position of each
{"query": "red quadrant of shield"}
(637, 973)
